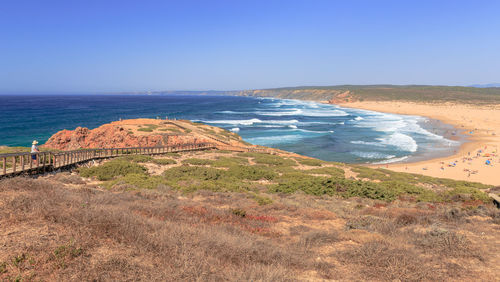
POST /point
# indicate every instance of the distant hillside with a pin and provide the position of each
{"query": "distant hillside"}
(486, 85)
(346, 93)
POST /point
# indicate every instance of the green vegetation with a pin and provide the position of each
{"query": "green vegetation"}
(139, 181)
(310, 162)
(136, 158)
(112, 169)
(271, 160)
(331, 171)
(417, 93)
(347, 188)
(149, 128)
(388, 175)
(195, 161)
(260, 199)
(229, 161)
(251, 172)
(171, 129)
(235, 174)
(164, 161)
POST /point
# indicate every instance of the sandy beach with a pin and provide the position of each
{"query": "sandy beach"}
(480, 123)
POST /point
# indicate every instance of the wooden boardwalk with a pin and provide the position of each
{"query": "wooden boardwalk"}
(20, 163)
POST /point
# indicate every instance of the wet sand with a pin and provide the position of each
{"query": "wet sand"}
(481, 124)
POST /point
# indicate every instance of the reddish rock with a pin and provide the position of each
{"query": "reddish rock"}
(113, 136)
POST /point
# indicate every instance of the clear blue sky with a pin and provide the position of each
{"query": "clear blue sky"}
(104, 45)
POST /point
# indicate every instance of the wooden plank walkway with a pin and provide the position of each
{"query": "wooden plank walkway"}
(19, 163)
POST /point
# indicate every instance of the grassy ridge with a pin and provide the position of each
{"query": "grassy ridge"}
(418, 93)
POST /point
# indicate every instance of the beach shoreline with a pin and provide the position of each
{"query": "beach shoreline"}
(468, 163)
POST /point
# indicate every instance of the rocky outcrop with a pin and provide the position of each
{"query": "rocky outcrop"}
(344, 97)
(114, 135)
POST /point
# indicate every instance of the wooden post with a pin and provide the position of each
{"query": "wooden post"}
(14, 164)
(22, 162)
(4, 161)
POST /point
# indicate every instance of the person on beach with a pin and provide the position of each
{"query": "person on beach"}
(34, 150)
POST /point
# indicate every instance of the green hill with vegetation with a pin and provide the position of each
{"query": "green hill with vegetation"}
(418, 93)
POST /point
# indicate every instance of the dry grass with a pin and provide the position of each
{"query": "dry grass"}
(61, 228)
(380, 260)
(123, 236)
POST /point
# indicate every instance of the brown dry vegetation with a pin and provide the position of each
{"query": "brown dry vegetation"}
(65, 227)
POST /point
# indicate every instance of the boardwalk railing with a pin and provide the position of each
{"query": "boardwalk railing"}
(18, 163)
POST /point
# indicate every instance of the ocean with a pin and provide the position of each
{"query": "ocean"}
(327, 132)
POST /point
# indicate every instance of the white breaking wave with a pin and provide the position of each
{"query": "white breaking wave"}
(372, 155)
(402, 141)
(252, 121)
(305, 112)
(270, 140)
(236, 129)
(392, 160)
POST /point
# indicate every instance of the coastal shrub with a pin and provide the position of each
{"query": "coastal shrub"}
(193, 178)
(347, 188)
(310, 162)
(331, 171)
(173, 155)
(465, 193)
(221, 185)
(111, 169)
(251, 172)
(140, 181)
(164, 161)
(388, 175)
(195, 161)
(229, 161)
(192, 172)
(136, 158)
(261, 200)
(269, 159)
(293, 182)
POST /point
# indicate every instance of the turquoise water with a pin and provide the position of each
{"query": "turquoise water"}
(323, 131)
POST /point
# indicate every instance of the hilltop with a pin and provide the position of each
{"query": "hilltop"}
(142, 133)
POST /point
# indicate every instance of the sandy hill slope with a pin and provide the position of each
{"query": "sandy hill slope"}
(141, 133)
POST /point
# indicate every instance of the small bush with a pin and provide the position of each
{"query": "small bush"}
(463, 193)
(192, 173)
(271, 160)
(140, 181)
(262, 200)
(447, 243)
(251, 172)
(112, 169)
(229, 161)
(194, 161)
(378, 260)
(164, 161)
(331, 171)
(319, 238)
(310, 162)
(136, 158)
(239, 212)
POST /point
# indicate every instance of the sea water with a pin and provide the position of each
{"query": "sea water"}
(323, 131)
